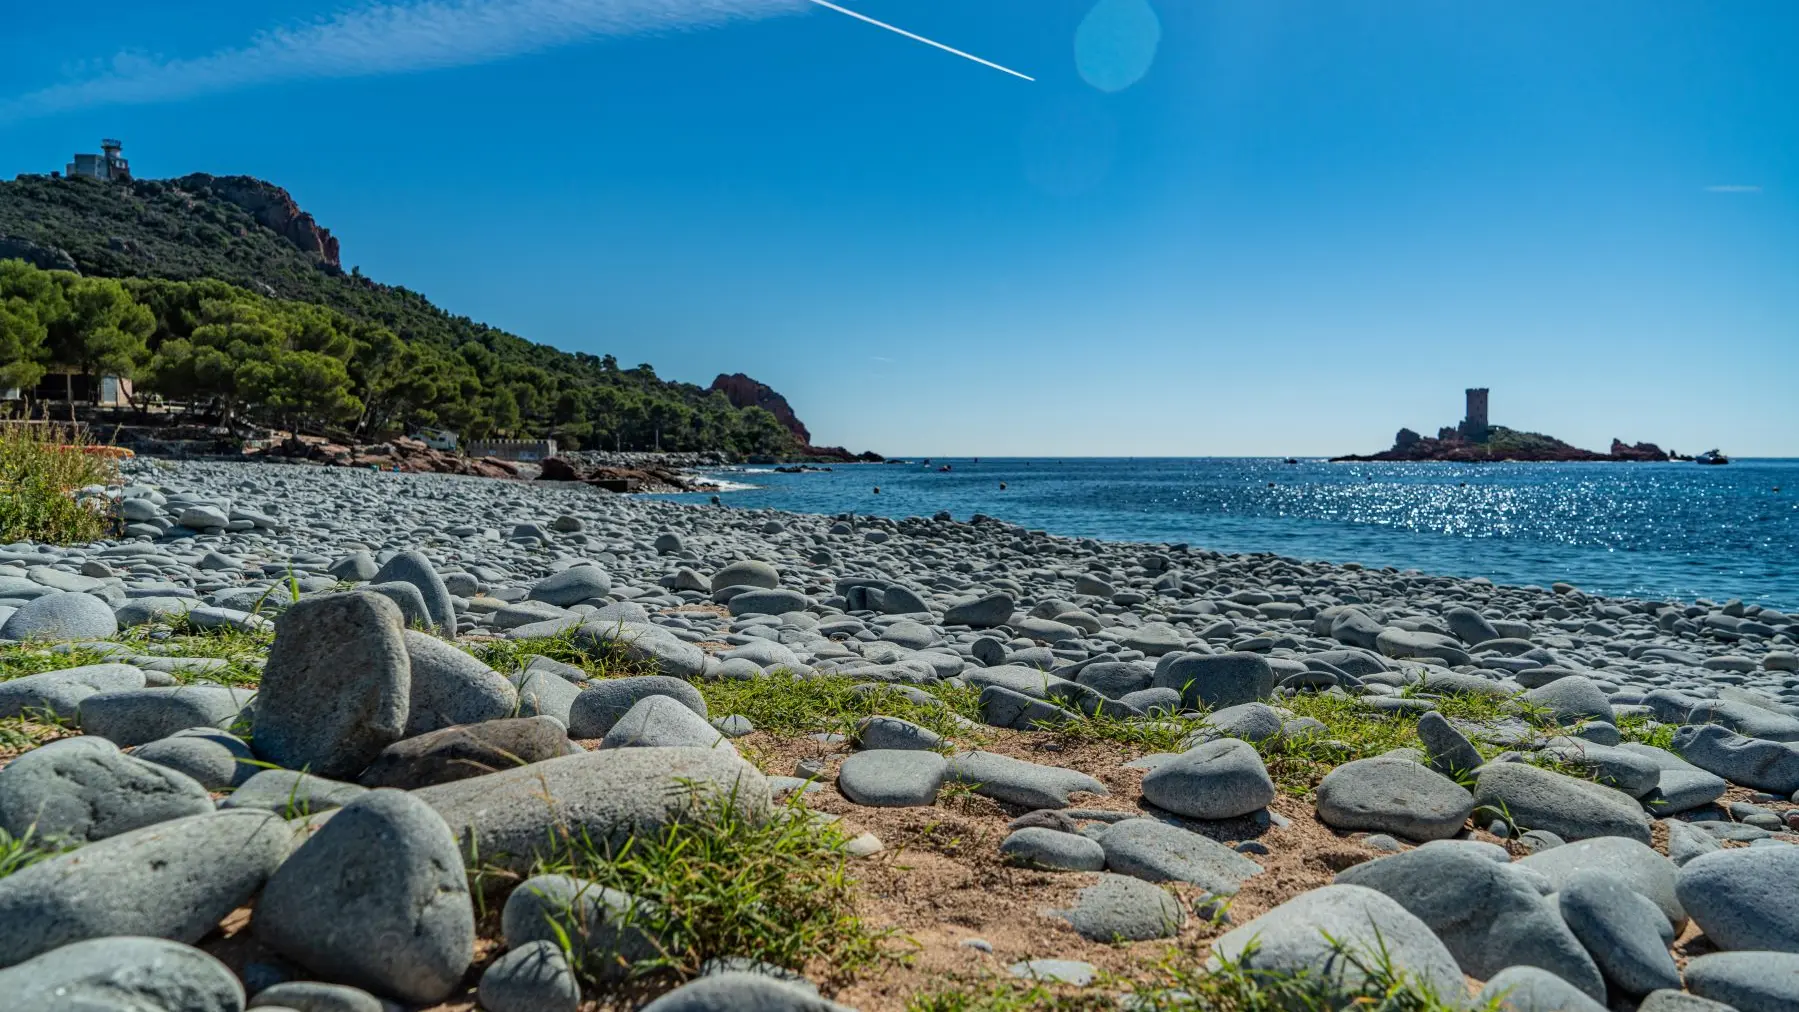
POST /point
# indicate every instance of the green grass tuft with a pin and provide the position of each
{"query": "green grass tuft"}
(775, 889)
(785, 704)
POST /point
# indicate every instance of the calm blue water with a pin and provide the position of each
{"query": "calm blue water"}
(1650, 530)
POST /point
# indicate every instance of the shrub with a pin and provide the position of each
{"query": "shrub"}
(40, 467)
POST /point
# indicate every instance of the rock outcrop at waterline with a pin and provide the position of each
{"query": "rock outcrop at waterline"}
(1501, 443)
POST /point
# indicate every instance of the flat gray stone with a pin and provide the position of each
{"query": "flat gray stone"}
(1052, 849)
(1123, 908)
(1390, 795)
(377, 898)
(892, 778)
(1001, 707)
(174, 880)
(84, 789)
(1625, 933)
(983, 612)
(1749, 762)
(1488, 914)
(470, 750)
(337, 686)
(747, 573)
(1220, 779)
(128, 717)
(609, 795)
(1745, 898)
(1570, 700)
(603, 703)
(1017, 782)
(318, 996)
(543, 693)
(1680, 1001)
(1747, 981)
(572, 586)
(122, 975)
(1536, 798)
(767, 602)
(881, 732)
(1073, 972)
(1360, 924)
(1155, 851)
(662, 721)
(59, 693)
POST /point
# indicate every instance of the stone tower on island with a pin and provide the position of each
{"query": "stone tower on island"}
(1474, 427)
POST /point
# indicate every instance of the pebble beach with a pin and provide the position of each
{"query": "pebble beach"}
(280, 740)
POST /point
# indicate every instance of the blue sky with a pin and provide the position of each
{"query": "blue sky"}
(1231, 227)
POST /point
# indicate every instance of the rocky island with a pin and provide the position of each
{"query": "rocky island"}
(1476, 441)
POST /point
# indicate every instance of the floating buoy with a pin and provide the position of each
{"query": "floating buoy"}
(1002, 487)
(877, 490)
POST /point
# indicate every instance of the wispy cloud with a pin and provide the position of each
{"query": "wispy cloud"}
(1733, 188)
(382, 38)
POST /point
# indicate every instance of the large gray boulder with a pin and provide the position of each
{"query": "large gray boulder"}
(128, 717)
(767, 602)
(746, 573)
(1389, 794)
(86, 789)
(1745, 898)
(173, 880)
(1334, 931)
(1396, 642)
(1469, 626)
(1536, 798)
(609, 795)
(450, 687)
(1220, 779)
(122, 974)
(62, 617)
(1216, 680)
(59, 693)
(1155, 851)
(377, 898)
(1488, 914)
(337, 686)
(603, 703)
(414, 568)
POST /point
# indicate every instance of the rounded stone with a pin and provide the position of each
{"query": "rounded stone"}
(122, 974)
(62, 617)
(602, 703)
(1624, 932)
(892, 778)
(1220, 779)
(1744, 898)
(1038, 847)
(1122, 908)
(377, 898)
(572, 586)
(86, 789)
(534, 977)
(1392, 795)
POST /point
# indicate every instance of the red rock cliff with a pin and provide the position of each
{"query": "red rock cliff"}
(744, 392)
(273, 208)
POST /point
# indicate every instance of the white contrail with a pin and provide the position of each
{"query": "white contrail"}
(920, 38)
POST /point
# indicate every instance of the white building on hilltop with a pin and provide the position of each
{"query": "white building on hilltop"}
(108, 165)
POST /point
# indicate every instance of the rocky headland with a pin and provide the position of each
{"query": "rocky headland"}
(310, 738)
(1499, 443)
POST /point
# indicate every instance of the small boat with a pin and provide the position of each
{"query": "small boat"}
(1292, 460)
(1711, 457)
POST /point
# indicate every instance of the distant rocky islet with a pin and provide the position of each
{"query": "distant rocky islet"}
(368, 717)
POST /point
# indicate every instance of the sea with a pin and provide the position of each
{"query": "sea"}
(1673, 531)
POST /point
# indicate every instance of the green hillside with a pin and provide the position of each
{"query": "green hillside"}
(257, 345)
